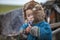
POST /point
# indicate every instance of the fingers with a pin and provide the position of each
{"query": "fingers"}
(28, 29)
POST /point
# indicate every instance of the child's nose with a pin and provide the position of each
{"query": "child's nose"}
(31, 16)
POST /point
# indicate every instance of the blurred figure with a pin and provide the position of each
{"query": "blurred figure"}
(39, 30)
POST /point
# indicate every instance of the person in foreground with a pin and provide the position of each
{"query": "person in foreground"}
(36, 28)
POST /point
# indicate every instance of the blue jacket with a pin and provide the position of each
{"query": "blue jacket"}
(45, 31)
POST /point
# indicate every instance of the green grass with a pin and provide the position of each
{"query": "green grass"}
(6, 8)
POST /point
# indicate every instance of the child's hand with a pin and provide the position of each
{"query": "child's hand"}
(28, 29)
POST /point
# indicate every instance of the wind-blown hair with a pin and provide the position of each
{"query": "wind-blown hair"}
(39, 14)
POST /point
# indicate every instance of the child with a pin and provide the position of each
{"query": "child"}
(44, 27)
(27, 26)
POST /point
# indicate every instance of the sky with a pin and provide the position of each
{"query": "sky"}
(18, 2)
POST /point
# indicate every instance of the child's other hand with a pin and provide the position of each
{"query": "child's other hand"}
(28, 29)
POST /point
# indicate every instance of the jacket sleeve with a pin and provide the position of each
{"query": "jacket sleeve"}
(46, 33)
(23, 27)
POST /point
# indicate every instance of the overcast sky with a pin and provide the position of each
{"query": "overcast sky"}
(18, 2)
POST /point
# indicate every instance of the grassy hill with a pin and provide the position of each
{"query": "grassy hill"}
(6, 8)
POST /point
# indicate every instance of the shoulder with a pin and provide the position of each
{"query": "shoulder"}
(25, 24)
(45, 23)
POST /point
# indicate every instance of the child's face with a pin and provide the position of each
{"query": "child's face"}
(29, 15)
(40, 15)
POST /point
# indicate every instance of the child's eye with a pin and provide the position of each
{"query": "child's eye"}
(30, 15)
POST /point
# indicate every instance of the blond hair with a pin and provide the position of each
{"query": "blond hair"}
(39, 11)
